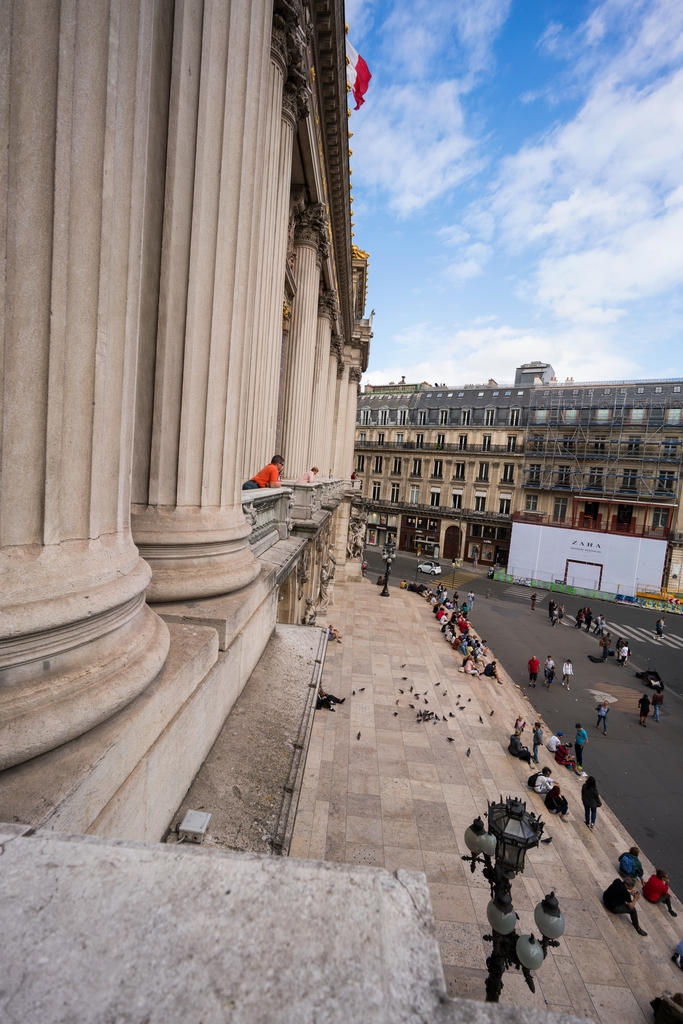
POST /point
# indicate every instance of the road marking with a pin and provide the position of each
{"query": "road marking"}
(637, 633)
(518, 592)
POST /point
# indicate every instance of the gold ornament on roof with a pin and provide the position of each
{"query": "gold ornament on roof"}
(359, 254)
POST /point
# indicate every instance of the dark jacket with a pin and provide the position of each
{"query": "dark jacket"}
(516, 747)
(590, 797)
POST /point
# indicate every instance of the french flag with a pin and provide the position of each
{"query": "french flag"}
(358, 74)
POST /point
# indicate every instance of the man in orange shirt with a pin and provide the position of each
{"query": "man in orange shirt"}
(269, 476)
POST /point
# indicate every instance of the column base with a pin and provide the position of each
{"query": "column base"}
(194, 553)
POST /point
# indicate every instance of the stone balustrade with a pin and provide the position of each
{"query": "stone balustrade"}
(269, 513)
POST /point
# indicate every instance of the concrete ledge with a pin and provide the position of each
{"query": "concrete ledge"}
(95, 930)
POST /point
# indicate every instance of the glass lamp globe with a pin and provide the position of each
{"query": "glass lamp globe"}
(501, 914)
(548, 917)
(529, 952)
(478, 840)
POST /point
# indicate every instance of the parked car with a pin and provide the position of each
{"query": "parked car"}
(433, 568)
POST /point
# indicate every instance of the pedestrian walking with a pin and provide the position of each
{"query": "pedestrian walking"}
(657, 701)
(644, 705)
(579, 619)
(555, 617)
(656, 890)
(560, 612)
(590, 798)
(580, 741)
(603, 711)
(551, 608)
(470, 599)
(534, 599)
(533, 666)
(537, 738)
(548, 672)
(567, 672)
(659, 629)
(588, 618)
(623, 653)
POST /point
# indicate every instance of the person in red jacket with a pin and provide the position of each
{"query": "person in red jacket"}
(534, 665)
(656, 890)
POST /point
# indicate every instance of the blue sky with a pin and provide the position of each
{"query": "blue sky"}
(518, 182)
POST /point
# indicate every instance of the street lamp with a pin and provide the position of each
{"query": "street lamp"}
(388, 555)
(511, 833)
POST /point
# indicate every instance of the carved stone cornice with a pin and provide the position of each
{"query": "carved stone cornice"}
(311, 229)
(327, 305)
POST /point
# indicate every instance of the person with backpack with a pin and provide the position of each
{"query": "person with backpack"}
(603, 711)
(590, 798)
(537, 739)
(644, 705)
(541, 782)
(629, 864)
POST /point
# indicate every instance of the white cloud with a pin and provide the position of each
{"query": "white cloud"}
(471, 264)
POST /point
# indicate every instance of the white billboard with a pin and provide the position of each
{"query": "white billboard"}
(579, 558)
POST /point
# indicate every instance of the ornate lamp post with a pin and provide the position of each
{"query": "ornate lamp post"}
(512, 831)
(388, 555)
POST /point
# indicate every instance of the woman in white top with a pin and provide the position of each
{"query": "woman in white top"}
(567, 672)
(309, 477)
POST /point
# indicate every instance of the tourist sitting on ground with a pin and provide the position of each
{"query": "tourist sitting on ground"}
(554, 742)
(380, 581)
(678, 955)
(656, 890)
(491, 671)
(470, 669)
(404, 585)
(621, 898)
(556, 803)
(517, 748)
(541, 782)
(309, 476)
(668, 1008)
(562, 757)
(629, 864)
(334, 634)
(326, 700)
(269, 476)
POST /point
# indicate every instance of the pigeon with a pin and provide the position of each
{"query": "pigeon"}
(411, 706)
(404, 664)
(458, 697)
(469, 749)
(469, 699)
(397, 702)
(361, 688)
(481, 719)
(425, 700)
(403, 678)
(437, 684)
(353, 693)
(461, 707)
(451, 715)
(358, 736)
(548, 840)
(395, 713)
(450, 739)
(492, 714)
(445, 693)
(400, 690)
(411, 689)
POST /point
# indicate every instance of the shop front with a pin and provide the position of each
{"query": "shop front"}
(381, 528)
(489, 545)
(420, 536)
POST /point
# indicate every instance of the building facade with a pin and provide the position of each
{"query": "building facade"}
(181, 299)
(478, 462)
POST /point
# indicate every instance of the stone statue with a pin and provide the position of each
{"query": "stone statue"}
(310, 613)
(324, 592)
(356, 536)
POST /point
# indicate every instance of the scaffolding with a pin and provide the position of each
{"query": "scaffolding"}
(614, 450)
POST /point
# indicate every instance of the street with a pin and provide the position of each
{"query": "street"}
(639, 770)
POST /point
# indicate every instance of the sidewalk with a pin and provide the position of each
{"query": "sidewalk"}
(402, 796)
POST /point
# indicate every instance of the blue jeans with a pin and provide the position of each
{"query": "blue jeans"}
(603, 719)
(655, 712)
(536, 753)
(591, 814)
(578, 750)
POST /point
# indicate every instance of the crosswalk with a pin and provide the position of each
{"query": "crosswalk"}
(640, 634)
(520, 593)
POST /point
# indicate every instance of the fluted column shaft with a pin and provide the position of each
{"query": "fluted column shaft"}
(192, 529)
(301, 349)
(350, 423)
(77, 642)
(340, 421)
(266, 344)
(318, 447)
(327, 466)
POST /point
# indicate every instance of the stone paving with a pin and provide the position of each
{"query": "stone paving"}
(402, 796)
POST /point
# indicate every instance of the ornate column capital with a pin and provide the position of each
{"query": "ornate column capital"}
(337, 347)
(340, 368)
(327, 305)
(311, 229)
(355, 374)
(288, 48)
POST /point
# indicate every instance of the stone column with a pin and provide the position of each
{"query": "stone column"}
(310, 248)
(187, 518)
(319, 443)
(77, 641)
(340, 417)
(336, 351)
(355, 375)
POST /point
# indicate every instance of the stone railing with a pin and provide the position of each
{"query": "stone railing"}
(269, 511)
(311, 498)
